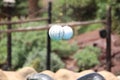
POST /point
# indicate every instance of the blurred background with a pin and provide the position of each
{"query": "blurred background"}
(86, 49)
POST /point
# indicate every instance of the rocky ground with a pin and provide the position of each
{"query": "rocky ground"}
(61, 74)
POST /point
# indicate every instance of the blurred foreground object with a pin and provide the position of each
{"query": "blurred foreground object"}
(39, 76)
(92, 76)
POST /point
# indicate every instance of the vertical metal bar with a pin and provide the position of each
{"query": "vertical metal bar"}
(108, 40)
(48, 63)
(9, 45)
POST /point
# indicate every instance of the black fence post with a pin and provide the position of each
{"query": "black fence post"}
(108, 40)
(9, 45)
(48, 57)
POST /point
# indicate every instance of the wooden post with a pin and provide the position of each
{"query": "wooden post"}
(48, 57)
(108, 40)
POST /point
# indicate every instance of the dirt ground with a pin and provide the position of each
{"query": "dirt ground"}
(93, 38)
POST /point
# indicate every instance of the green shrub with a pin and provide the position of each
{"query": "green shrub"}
(63, 48)
(3, 47)
(87, 58)
(102, 10)
(37, 60)
(61, 11)
(3, 50)
(70, 10)
(24, 43)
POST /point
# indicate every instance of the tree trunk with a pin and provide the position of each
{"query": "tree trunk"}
(33, 8)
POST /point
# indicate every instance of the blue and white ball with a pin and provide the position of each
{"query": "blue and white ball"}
(56, 32)
(68, 32)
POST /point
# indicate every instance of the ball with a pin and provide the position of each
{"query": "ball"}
(68, 32)
(56, 32)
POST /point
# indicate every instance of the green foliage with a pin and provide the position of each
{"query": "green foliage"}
(21, 7)
(37, 60)
(80, 3)
(61, 11)
(23, 43)
(116, 26)
(3, 48)
(83, 9)
(89, 28)
(63, 48)
(87, 58)
(116, 17)
(69, 10)
(102, 10)
(1, 3)
(26, 44)
(103, 6)
(3, 51)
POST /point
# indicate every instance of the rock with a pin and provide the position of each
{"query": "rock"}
(61, 74)
(3, 76)
(118, 77)
(83, 73)
(26, 71)
(108, 75)
(12, 75)
(16, 75)
(64, 74)
(48, 72)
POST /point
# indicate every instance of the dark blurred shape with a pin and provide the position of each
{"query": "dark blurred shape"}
(103, 33)
(92, 76)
